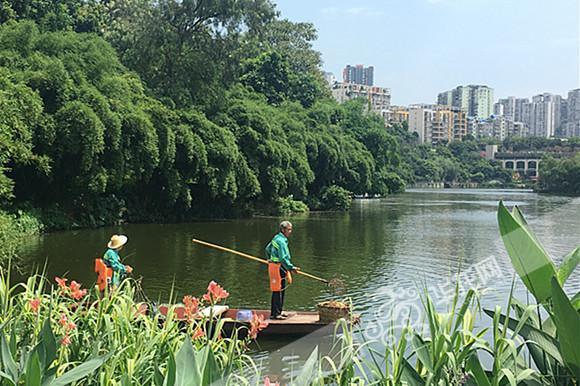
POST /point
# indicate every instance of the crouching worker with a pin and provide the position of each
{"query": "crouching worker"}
(112, 261)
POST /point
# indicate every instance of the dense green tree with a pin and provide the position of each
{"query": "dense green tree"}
(560, 175)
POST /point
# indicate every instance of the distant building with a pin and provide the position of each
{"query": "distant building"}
(498, 127)
(330, 78)
(508, 105)
(396, 115)
(573, 114)
(445, 98)
(358, 75)
(378, 98)
(498, 109)
(437, 123)
(542, 115)
(519, 109)
(474, 100)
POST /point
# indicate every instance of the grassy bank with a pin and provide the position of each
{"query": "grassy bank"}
(14, 229)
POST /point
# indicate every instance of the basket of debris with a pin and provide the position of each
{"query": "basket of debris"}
(331, 311)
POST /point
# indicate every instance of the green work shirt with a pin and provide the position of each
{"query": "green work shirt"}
(113, 261)
(277, 251)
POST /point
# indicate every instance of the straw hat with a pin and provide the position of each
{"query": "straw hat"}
(117, 241)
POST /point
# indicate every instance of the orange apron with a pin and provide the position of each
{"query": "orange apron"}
(276, 278)
(104, 274)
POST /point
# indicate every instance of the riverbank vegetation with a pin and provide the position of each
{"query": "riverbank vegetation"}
(62, 333)
(560, 176)
(167, 111)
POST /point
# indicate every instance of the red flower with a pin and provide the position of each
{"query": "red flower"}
(215, 293)
(61, 282)
(198, 333)
(257, 324)
(34, 305)
(268, 383)
(65, 340)
(76, 291)
(63, 320)
(191, 306)
(71, 326)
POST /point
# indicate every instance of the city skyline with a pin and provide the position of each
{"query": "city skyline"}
(420, 47)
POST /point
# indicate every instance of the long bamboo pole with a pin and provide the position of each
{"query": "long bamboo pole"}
(263, 261)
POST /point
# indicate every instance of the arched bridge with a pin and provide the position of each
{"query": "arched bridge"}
(525, 163)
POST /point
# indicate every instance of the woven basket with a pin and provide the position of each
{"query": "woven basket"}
(329, 312)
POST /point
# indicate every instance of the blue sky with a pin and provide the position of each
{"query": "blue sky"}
(422, 47)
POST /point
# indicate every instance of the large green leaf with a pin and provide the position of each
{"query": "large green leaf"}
(8, 362)
(537, 340)
(47, 345)
(568, 323)
(409, 375)
(33, 371)
(575, 301)
(422, 352)
(187, 372)
(80, 371)
(475, 368)
(209, 367)
(527, 255)
(568, 265)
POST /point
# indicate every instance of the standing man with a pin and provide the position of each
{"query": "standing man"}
(279, 268)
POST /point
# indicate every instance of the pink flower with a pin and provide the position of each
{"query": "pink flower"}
(63, 320)
(71, 326)
(215, 293)
(268, 383)
(198, 333)
(34, 305)
(76, 291)
(65, 340)
(191, 306)
(257, 324)
(61, 282)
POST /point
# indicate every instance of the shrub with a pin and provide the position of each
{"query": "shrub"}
(336, 198)
(288, 205)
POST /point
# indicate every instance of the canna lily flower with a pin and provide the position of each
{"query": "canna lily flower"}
(65, 340)
(34, 305)
(198, 333)
(268, 383)
(63, 320)
(215, 293)
(257, 324)
(76, 291)
(191, 306)
(61, 282)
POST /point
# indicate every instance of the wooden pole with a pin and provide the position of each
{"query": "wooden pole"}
(250, 257)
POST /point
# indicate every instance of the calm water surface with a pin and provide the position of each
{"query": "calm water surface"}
(419, 238)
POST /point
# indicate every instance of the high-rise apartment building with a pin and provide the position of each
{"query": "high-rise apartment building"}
(519, 109)
(541, 113)
(437, 123)
(508, 106)
(573, 113)
(378, 98)
(358, 75)
(474, 100)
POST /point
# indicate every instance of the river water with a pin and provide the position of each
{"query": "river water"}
(382, 249)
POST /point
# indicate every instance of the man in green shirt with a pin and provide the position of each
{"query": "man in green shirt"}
(279, 268)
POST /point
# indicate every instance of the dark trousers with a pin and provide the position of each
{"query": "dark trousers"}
(278, 296)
